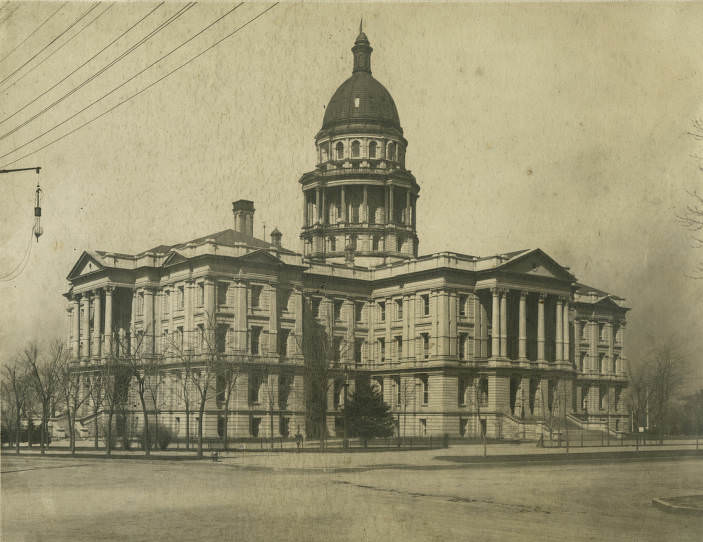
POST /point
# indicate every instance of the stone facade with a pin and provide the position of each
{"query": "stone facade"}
(457, 344)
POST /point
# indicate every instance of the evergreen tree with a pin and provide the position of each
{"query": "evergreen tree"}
(368, 416)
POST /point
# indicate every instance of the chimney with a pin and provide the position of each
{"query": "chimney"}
(276, 238)
(243, 211)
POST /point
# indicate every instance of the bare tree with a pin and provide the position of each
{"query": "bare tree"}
(16, 386)
(115, 377)
(73, 394)
(96, 392)
(227, 374)
(44, 374)
(200, 366)
(139, 362)
(665, 380)
(692, 216)
(153, 371)
(184, 390)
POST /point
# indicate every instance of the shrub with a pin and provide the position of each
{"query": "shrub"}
(165, 436)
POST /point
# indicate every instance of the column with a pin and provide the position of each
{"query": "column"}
(343, 205)
(273, 319)
(593, 350)
(318, 207)
(386, 219)
(412, 305)
(85, 326)
(76, 346)
(108, 320)
(366, 205)
(298, 321)
(504, 323)
(390, 205)
(96, 326)
(611, 347)
(389, 319)
(559, 339)
(522, 346)
(540, 326)
(240, 316)
(325, 215)
(565, 330)
(188, 315)
(453, 315)
(407, 208)
(444, 316)
(477, 326)
(149, 320)
(305, 209)
(495, 323)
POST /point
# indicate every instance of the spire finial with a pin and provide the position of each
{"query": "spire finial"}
(361, 25)
(362, 51)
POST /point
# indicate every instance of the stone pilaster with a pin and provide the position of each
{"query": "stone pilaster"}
(76, 323)
(559, 339)
(504, 323)
(495, 323)
(96, 325)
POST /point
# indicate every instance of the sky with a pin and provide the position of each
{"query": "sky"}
(558, 126)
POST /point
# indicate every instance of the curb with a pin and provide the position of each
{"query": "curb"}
(668, 506)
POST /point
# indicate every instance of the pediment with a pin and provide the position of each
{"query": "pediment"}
(537, 263)
(260, 256)
(86, 265)
(174, 257)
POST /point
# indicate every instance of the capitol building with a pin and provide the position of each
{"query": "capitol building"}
(506, 345)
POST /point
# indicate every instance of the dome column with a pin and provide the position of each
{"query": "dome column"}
(343, 205)
(365, 207)
(317, 205)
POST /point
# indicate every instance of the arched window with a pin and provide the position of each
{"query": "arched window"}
(376, 243)
(399, 244)
(483, 392)
(615, 364)
(339, 148)
(356, 149)
(333, 244)
(391, 151)
(372, 149)
(324, 152)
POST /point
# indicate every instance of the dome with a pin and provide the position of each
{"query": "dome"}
(361, 99)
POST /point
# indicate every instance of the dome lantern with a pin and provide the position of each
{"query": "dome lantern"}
(362, 52)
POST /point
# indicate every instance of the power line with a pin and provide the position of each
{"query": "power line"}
(82, 65)
(74, 23)
(33, 32)
(102, 70)
(47, 57)
(138, 92)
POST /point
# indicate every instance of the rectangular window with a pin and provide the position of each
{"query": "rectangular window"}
(461, 391)
(399, 309)
(381, 311)
(255, 382)
(222, 288)
(201, 336)
(285, 300)
(463, 302)
(382, 349)
(462, 345)
(425, 304)
(283, 342)
(181, 296)
(167, 302)
(338, 310)
(221, 338)
(337, 348)
(140, 303)
(179, 338)
(201, 294)
(423, 427)
(255, 339)
(398, 342)
(425, 344)
(398, 392)
(315, 305)
(425, 389)
(358, 311)
(358, 344)
(256, 297)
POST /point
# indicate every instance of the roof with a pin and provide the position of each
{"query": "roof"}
(228, 238)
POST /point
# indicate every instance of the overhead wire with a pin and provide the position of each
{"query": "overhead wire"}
(52, 87)
(52, 53)
(102, 70)
(20, 44)
(74, 23)
(21, 266)
(216, 43)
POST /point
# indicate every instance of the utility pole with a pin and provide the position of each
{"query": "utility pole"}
(345, 443)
